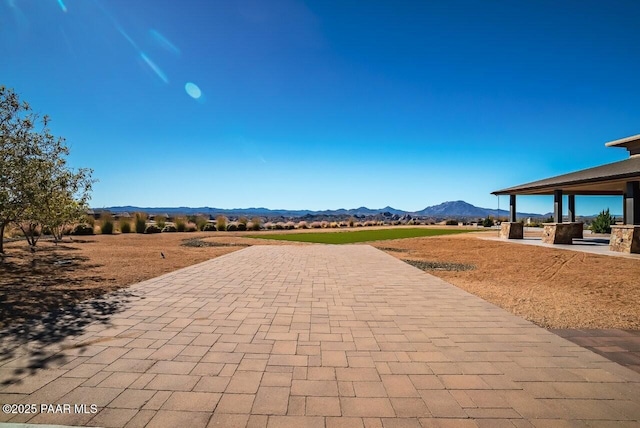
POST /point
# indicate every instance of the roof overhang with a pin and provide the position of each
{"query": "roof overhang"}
(632, 144)
(609, 179)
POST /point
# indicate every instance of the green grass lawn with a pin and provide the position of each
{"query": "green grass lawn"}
(360, 235)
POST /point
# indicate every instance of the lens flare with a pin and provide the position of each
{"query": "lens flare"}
(154, 67)
(164, 42)
(192, 90)
(62, 6)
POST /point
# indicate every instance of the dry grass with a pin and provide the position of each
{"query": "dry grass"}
(553, 288)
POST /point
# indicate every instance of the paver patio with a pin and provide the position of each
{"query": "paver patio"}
(317, 336)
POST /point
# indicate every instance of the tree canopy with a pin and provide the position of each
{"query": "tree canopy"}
(38, 189)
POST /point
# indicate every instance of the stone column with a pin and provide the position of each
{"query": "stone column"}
(557, 206)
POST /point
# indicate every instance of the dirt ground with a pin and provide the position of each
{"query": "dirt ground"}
(553, 288)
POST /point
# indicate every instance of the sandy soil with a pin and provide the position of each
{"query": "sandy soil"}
(553, 288)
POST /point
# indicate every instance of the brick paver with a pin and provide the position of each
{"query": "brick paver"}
(321, 336)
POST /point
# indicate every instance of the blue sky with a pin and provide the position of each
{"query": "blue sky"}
(327, 104)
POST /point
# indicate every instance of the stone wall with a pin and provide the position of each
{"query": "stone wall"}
(510, 230)
(558, 233)
(625, 238)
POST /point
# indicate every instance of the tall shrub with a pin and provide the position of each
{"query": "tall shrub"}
(125, 225)
(201, 221)
(140, 222)
(106, 223)
(181, 224)
(221, 222)
(602, 223)
(161, 221)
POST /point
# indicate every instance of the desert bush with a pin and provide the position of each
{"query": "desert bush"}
(106, 224)
(303, 225)
(180, 224)
(359, 224)
(370, 223)
(90, 220)
(161, 221)
(209, 227)
(290, 225)
(253, 226)
(152, 228)
(169, 228)
(140, 222)
(602, 223)
(191, 227)
(324, 224)
(243, 220)
(124, 225)
(352, 222)
(279, 225)
(316, 225)
(201, 221)
(255, 223)
(82, 229)
(221, 222)
(451, 222)
(242, 227)
(487, 222)
(333, 225)
(232, 227)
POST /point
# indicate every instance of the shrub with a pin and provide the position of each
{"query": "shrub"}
(290, 225)
(352, 222)
(221, 222)
(243, 220)
(602, 223)
(201, 222)
(180, 223)
(255, 223)
(209, 227)
(253, 226)
(106, 224)
(242, 227)
(280, 225)
(140, 222)
(161, 221)
(124, 225)
(303, 225)
(333, 225)
(107, 227)
(169, 228)
(487, 222)
(451, 222)
(191, 227)
(82, 229)
(232, 227)
(90, 220)
(152, 228)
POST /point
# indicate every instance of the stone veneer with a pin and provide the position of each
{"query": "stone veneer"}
(558, 233)
(625, 238)
(510, 230)
(577, 230)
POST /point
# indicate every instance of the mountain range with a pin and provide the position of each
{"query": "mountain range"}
(451, 209)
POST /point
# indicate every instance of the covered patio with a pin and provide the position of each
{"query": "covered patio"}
(619, 178)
